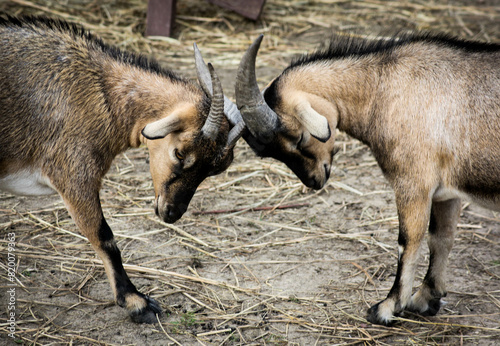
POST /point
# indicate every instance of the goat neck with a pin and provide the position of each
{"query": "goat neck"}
(345, 97)
(140, 98)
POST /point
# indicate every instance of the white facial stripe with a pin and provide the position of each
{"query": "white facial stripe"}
(27, 183)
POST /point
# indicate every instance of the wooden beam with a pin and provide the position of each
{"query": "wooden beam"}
(247, 8)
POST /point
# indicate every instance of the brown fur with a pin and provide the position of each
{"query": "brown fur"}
(69, 104)
(429, 109)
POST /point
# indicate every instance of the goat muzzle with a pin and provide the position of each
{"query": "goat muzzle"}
(169, 213)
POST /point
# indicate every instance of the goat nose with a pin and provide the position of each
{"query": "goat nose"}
(173, 213)
(315, 183)
(167, 212)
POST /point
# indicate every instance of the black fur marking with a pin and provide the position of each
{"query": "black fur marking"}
(271, 95)
(123, 284)
(396, 287)
(429, 280)
(94, 42)
(346, 46)
(432, 224)
(105, 234)
(403, 238)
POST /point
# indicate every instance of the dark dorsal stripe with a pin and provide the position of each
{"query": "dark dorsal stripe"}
(345, 46)
(93, 42)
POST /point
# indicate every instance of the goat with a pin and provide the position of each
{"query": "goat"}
(428, 107)
(69, 103)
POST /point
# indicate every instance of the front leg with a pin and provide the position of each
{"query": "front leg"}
(413, 212)
(442, 227)
(88, 216)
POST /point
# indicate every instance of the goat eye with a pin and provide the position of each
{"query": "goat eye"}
(179, 155)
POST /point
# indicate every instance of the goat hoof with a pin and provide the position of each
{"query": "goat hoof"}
(148, 313)
(426, 307)
(376, 316)
(433, 308)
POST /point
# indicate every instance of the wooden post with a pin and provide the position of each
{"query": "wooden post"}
(161, 13)
(160, 17)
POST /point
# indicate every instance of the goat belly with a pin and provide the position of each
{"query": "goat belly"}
(446, 193)
(27, 183)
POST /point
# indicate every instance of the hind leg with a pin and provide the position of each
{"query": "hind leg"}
(442, 228)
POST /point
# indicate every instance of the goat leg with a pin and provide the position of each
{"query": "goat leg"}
(89, 218)
(442, 227)
(413, 212)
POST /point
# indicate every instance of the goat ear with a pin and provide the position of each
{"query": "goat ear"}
(314, 122)
(160, 128)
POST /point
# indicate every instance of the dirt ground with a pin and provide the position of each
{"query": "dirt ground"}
(302, 269)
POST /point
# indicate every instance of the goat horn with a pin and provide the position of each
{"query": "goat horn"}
(235, 133)
(202, 71)
(230, 109)
(216, 115)
(260, 119)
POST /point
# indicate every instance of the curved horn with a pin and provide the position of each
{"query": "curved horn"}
(232, 112)
(234, 134)
(216, 115)
(202, 71)
(230, 109)
(260, 119)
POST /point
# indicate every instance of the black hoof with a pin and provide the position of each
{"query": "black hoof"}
(434, 306)
(373, 316)
(148, 313)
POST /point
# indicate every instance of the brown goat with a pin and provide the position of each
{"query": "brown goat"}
(428, 106)
(69, 104)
